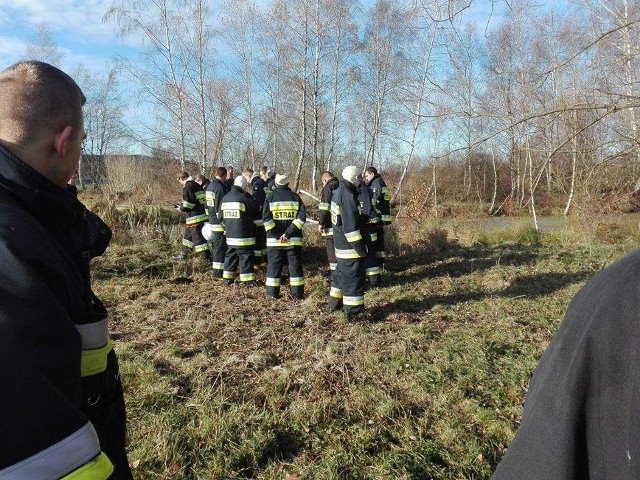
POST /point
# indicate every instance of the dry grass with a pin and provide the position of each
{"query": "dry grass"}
(224, 383)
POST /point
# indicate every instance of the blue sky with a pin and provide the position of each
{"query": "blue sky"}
(81, 35)
(76, 25)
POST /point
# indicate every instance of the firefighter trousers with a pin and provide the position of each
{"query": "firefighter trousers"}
(331, 253)
(193, 240)
(371, 261)
(219, 250)
(277, 258)
(239, 256)
(347, 286)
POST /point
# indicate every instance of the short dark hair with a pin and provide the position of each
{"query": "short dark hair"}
(221, 172)
(372, 170)
(183, 175)
(37, 98)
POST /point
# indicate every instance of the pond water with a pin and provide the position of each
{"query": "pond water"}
(555, 223)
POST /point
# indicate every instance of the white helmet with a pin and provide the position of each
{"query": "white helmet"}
(207, 232)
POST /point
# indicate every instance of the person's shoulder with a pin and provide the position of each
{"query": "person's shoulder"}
(610, 301)
(21, 235)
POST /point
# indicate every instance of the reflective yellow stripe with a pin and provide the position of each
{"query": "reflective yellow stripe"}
(187, 243)
(227, 275)
(216, 227)
(296, 281)
(94, 361)
(247, 277)
(218, 265)
(233, 206)
(327, 232)
(197, 219)
(335, 292)
(353, 236)
(346, 254)
(201, 248)
(188, 205)
(353, 301)
(324, 206)
(283, 206)
(99, 468)
(386, 218)
(241, 242)
(65, 456)
(269, 225)
(373, 271)
(298, 223)
(272, 282)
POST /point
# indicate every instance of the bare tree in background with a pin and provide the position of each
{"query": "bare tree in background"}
(43, 47)
(160, 25)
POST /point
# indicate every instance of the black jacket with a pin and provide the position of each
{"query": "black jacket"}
(284, 214)
(193, 202)
(581, 418)
(381, 199)
(214, 194)
(346, 221)
(237, 212)
(324, 207)
(48, 317)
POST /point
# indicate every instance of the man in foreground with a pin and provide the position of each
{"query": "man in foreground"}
(581, 418)
(61, 410)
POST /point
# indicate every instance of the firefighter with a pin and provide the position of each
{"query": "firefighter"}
(237, 213)
(369, 232)
(284, 215)
(214, 230)
(380, 201)
(329, 184)
(259, 190)
(348, 282)
(193, 201)
(62, 408)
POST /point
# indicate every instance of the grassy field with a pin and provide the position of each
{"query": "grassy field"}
(223, 383)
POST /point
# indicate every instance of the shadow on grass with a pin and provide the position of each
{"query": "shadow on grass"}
(416, 266)
(529, 286)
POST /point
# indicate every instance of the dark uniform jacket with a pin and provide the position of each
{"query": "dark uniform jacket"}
(346, 221)
(237, 212)
(324, 206)
(259, 194)
(216, 190)
(53, 331)
(380, 199)
(284, 214)
(193, 201)
(582, 416)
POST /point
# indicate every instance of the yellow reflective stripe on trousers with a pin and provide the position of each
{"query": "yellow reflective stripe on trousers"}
(94, 361)
(347, 254)
(67, 455)
(353, 301)
(98, 468)
(296, 281)
(272, 282)
(335, 292)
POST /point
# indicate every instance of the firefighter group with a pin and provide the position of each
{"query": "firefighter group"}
(242, 222)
